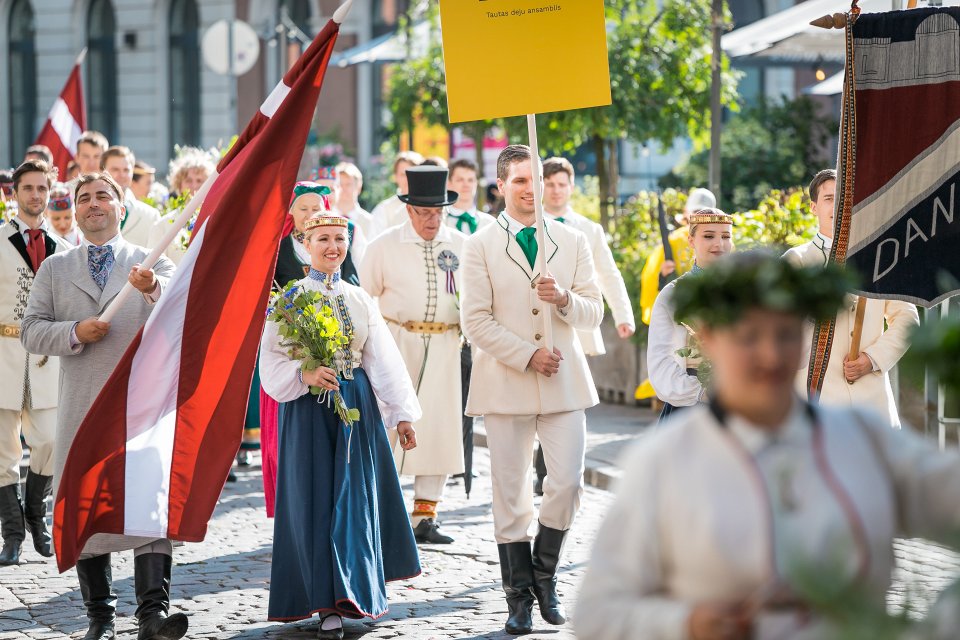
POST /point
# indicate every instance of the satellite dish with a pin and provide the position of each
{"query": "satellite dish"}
(230, 47)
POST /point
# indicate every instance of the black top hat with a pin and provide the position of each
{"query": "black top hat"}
(427, 187)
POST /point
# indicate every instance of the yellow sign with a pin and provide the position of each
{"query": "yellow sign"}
(514, 57)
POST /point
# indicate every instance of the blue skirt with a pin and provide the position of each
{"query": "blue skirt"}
(341, 530)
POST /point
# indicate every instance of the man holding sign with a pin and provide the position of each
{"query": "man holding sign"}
(525, 390)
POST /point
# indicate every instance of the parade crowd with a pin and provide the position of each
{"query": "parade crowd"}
(743, 492)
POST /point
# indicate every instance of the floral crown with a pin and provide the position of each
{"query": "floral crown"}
(720, 294)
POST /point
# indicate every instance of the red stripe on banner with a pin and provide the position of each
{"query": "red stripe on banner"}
(72, 95)
(90, 492)
(227, 300)
(891, 133)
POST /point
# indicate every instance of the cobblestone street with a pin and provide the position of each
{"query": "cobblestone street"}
(223, 583)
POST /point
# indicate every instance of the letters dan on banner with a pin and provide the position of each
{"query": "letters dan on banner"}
(541, 55)
(904, 233)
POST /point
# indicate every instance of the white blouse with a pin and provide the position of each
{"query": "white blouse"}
(373, 347)
(736, 514)
(667, 370)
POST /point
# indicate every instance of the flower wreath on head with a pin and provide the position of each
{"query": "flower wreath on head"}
(722, 293)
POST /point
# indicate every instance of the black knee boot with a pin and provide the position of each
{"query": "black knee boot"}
(547, 548)
(96, 587)
(35, 511)
(516, 570)
(11, 524)
(151, 580)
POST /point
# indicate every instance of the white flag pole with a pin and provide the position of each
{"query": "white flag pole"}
(172, 232)
(541, 228)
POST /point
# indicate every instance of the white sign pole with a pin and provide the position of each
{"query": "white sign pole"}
(541, 228)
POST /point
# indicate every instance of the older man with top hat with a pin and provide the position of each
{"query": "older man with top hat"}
(70, 291)
(414, 270)
(28, 396)
(524, 390)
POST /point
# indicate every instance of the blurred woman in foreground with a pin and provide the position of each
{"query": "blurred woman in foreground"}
(759, 515)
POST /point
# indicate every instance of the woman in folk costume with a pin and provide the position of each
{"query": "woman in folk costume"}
(761, 516)
(293, 263)
(341, 530)
(673, 376)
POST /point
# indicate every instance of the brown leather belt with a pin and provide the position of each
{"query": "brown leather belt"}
(414, 326)
(10, 330)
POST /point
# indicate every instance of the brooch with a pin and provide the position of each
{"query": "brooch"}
(448, 263)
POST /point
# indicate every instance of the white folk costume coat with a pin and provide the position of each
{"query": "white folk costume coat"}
(19, 370)
(389, 213)
(608, 276)
(668, 371)
(501, 316)
(707, 513)
(884, 347)
(417, 281)
(140, 221)
(372, 348)
(63, 294)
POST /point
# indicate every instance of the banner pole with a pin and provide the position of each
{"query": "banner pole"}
(541, 228)
(172, 232)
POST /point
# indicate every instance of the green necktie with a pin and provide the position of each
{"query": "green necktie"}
(527, 239)
(560, 220)
(466, 218)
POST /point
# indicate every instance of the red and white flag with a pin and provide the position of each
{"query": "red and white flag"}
(153, 453)
(66, 121)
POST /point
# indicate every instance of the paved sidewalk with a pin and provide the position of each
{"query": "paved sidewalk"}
(223, 583)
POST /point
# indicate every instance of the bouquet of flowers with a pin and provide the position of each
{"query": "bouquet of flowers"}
(310, 332)
(694, 356)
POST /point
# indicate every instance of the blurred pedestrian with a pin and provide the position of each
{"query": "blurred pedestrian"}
(189, 170)
(392, 211)
(463, 214)
(61, 215)
(143, 179)
(329, 177)
(140, 218)
(347, 204)
(39, 152)
(759, 515)
(90, 147)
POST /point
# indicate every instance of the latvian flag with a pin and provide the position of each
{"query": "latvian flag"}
(152, 454)
(903, 238)
(66, 121)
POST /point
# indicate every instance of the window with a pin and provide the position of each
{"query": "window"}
(23, 79)
(184, 73)
(299, 13)
(102, 69)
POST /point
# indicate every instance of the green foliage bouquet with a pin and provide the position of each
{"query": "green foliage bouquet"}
(310, 332)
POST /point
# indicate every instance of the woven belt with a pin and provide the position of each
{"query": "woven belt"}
(423, 327)
(10, 330)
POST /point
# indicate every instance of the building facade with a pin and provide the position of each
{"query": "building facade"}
(145, 82)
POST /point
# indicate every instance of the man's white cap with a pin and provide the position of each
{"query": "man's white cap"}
(700, 199)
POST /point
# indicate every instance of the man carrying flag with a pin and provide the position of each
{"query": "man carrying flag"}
(69, 293)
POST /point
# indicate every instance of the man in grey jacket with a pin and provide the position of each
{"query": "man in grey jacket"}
(69, 293)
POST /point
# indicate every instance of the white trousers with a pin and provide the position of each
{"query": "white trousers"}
(510, 439)
(161, 545)
(39, 428)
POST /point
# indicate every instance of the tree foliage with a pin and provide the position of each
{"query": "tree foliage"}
(770, 146)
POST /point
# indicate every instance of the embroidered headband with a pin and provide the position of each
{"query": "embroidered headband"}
(325, 221)
(326, 173)
(304, 187)
(60, 199)
(709, 216)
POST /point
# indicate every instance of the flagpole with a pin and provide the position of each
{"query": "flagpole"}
(154, 256)
(81, 57)
(541, 228)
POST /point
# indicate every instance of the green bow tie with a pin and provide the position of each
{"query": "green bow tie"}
(468, 219)
(527, 239)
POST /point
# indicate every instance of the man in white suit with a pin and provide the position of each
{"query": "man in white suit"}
(28, 395)
(887, 325)
(419, 302)
(141, 218)
(69, 293)
(522, 389)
